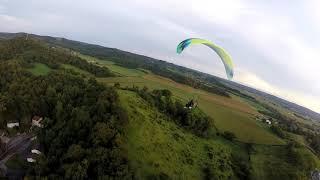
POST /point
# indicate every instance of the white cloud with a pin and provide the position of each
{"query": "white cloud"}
(223, 12)
(2, 9)
(13, 24)
(311, 8)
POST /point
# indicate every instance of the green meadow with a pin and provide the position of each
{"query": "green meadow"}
(39, 69)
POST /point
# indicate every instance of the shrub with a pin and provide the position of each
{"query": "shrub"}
(229, 135)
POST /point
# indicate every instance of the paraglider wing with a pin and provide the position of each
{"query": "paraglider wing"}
(224, 56)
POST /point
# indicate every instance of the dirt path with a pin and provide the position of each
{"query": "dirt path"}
(16, 144)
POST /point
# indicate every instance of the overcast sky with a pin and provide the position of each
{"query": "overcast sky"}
(275, 44)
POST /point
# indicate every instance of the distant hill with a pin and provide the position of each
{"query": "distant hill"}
(307, 113)
(132, 60)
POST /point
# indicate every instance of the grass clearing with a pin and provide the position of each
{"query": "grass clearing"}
(118, 70)
(241, 124)
(124, 71)
(75, 69)
(39, 69)
(158, 146)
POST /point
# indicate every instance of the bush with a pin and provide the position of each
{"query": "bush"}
(229, 135)
(278, 131)
(241, 167)
(117, 85)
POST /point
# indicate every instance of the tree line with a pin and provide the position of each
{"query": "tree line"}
(31, 51)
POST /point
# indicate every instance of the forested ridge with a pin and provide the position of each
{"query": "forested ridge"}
(28, 51)
(83, 126)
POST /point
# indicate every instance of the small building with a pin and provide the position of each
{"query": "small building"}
(12, 125)
(268, 121)
(31, 160)
(35, 151)
(36, 121)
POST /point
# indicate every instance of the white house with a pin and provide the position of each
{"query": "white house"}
(268, 121)
(35, 151)
(12, 125)
(31, 160)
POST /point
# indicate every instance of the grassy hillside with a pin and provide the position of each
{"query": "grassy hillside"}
(160, 148)
(273, 162)
(157, 143)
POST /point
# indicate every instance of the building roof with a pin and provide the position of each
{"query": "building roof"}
(31, 160)
(11, 125)
(36, 121)
(35, 151)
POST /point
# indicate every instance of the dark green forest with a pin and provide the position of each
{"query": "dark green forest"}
(82, 135)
